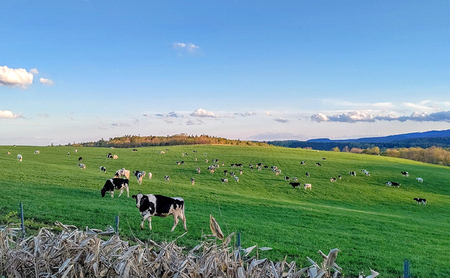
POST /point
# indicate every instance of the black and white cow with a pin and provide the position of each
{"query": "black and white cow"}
(103, 168)
(421, 201)
(294, 184)
(406, 174)
(139, 176)
(158, 205)
(115, 184)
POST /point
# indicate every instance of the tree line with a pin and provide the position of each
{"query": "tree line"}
(133, 141)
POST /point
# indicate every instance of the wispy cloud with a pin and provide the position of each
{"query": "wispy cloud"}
(190, 47)
(119, 124)
(34, 71)
(6, 114)
(203, 113)
(46, 81)
(360, 116)
(45, 116)
(15, 77)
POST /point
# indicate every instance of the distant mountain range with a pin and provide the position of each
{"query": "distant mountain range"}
(392, 138)
(438, 138)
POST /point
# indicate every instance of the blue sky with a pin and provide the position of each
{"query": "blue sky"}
(77, 71)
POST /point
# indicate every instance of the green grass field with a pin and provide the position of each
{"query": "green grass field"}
(373, 225)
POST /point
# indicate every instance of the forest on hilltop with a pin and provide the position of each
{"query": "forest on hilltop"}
(133, 141)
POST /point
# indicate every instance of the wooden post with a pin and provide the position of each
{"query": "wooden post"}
(22, 225)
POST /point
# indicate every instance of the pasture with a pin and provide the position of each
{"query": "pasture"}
(373, 225)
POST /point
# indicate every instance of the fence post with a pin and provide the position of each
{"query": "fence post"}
(406, 269)
(22, 225)
(117, 224)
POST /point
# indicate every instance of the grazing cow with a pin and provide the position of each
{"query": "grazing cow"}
(365, 172)
(82, 166)
(206, 160)
(8, 153)
(340, 177)
(405, 174)
(80, 159)
(396, 184)
(393, 183)
(294, 184)
(303, 162)
(294, 179)
(240, 172)
(166, 178)
(36, 152)
(115, 184)
(421, 201)
(109, 155)
(307, 175)
(162, 152)
(318, 164)
(76, 150)
(68, 153)
(150, 175)
(115, 157)
(307, 186)
(198, 170)
(352, 173)
(225, 172)
(323, 158)
(134, 150)
(19, 157)
(139, 176)
(236, 179)
(419, 179)
(102, 168)
(192, 181)
(232, 174)
(122, 173)
(333, 179)
(286, 178)
(224, 180)
(266, 167)
(158, 205)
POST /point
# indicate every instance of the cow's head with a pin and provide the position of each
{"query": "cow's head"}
(138, 198)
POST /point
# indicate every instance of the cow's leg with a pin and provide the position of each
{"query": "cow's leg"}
(128, 192)
(149, 218)
(121, 191)
(183, 217)
(112, 194)
(175, 221)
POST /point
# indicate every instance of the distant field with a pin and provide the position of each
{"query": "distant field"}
(373, 225)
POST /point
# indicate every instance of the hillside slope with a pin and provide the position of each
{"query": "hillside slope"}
(372, 224)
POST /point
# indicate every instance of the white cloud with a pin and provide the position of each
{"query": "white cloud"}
(6, 114)
(189, 46)
(203, 113)
(281, 120)
(34, 71)
(320, 117)
(358, 116)
(15, 77)
(46, 81)
(45, 116)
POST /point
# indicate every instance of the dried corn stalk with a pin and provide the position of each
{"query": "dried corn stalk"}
(77, 253)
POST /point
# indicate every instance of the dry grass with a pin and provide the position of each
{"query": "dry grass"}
(77, 253)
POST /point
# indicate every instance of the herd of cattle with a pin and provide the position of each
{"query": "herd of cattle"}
(157, 205)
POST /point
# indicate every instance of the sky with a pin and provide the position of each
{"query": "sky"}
(81, 70)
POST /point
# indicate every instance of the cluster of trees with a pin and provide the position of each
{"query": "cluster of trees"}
(132, 141)
(434, 155)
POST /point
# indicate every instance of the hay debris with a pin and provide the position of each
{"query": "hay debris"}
(75, 253)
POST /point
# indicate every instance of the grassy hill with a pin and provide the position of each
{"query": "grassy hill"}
(373, 225)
